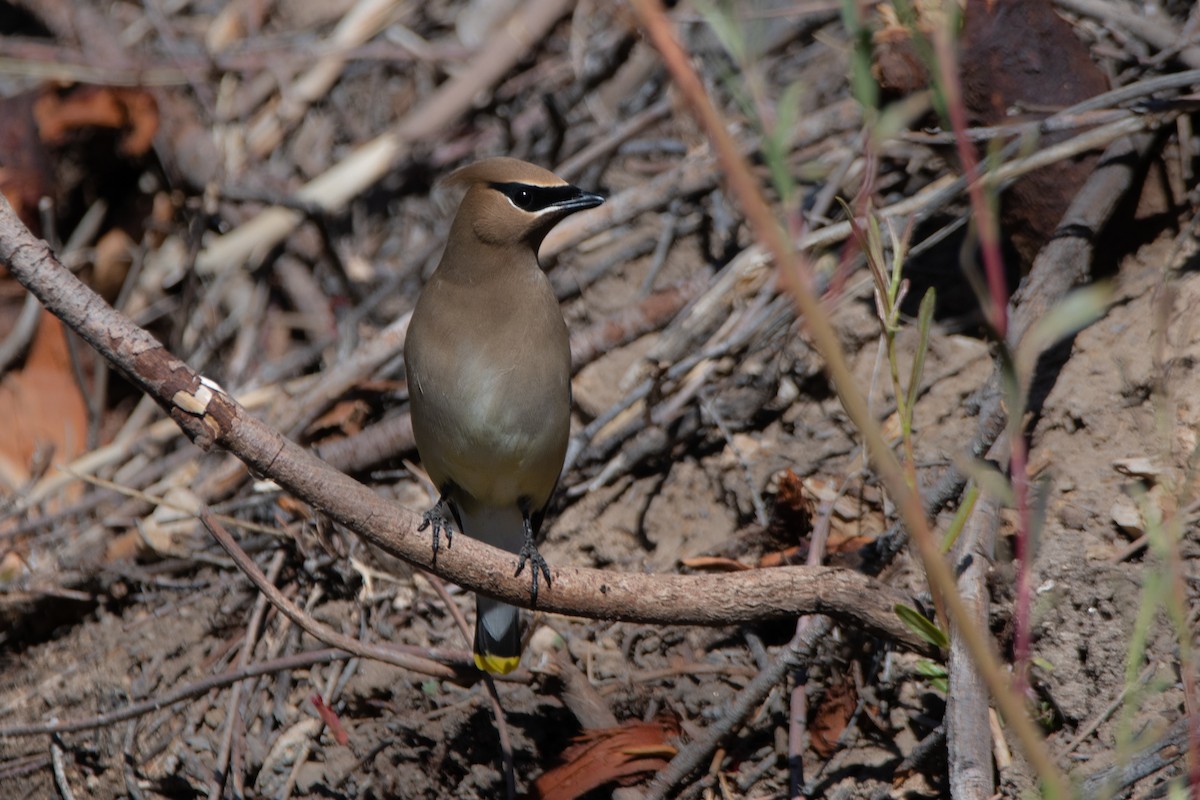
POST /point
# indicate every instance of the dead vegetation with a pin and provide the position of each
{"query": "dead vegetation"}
(252, 187)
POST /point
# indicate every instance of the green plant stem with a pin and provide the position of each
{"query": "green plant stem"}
(795, 276)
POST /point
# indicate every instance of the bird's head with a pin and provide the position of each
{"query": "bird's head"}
(511, 202)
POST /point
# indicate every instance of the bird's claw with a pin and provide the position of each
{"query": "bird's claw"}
(529, 553)
(437, 519)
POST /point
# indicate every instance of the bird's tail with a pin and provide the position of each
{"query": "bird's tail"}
(497, 635)
(497, 624)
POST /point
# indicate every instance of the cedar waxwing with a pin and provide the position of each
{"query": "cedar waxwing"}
(489, 376)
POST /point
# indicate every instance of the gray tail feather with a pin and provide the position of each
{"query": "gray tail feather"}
(497, 628)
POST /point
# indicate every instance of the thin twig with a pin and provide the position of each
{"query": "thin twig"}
(58, 760)
(22, 333)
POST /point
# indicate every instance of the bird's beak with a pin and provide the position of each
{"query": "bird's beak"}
(579, 202)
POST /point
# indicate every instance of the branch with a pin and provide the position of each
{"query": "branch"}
(211, 418)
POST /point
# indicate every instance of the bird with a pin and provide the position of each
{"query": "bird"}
(488, 363)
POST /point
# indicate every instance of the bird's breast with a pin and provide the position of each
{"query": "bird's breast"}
(490, 392)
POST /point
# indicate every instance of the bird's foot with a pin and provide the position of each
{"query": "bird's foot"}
(438, 519)
(529, 552)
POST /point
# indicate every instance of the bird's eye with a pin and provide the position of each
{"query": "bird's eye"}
(523, 196)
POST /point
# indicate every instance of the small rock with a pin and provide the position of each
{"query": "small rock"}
(1127, 518)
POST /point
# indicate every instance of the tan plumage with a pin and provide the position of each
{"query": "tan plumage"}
(489, 373)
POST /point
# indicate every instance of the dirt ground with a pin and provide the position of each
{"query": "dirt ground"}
(106, 602)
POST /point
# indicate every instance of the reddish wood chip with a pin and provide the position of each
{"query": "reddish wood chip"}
(331, 720)
(620, 755)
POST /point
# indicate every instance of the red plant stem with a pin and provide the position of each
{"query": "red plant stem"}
(993, 263)
(985, 220)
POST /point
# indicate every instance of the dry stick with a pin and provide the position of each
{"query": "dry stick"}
(191, 690)
(232, 717)
(1140, 25)
(698, 752)
(1065, 262)
(334, 188)
(631, 322)
(692, 176)
(127, 762)
(986, 133)
(968, 732)
(1109, 710)
(327, 696)
(58, 761)
(940, 192)
(570, 169)
(178, 124)
(24, 765)
(795, 275)
(360, 24)
(21, 335)
(131, 439)
(212, 418)
(1113, 780)
(372, 445)
(1062, 264)
(805, 627)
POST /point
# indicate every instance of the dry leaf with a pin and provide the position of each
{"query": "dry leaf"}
(791, 510)
(831, 717)
(42, 404)
(714, 564)
(788, 557)
(26, 175)
(132, 111)
(346, 417)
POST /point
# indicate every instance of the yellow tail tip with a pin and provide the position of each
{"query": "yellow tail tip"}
(497, 665)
